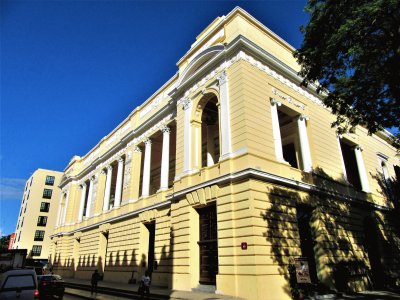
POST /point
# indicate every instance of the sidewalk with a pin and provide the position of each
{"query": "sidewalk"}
(157, 291)
(163, 293)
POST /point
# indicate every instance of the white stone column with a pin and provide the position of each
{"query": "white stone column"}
(90, 196)
(146, 169)
(361, 169)
(210, 145)
(60, 204)
(276, 131)
(64, 215)
(82, 204)
(118, 187)
(165, 159)
(187, 142)
(225, 122)
(106, 203)
(304, 144)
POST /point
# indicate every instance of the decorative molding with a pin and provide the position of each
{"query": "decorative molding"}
(150, 106)
(241, 55)
(117, 134)
(288, 99)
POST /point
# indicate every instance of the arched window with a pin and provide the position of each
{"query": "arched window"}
(210, 136)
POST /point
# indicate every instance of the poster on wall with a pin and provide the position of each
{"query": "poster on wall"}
(302, 270)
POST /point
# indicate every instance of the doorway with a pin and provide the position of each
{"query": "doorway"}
(208, 244)
(304, 214)
(151, 227)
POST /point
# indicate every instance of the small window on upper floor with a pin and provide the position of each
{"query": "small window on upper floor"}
(42, 221)
(50, 180)
(36, 250)
(47, 193)
(31, 182)
(44, 207)
(39, 235)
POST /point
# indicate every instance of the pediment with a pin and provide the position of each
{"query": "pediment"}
(200, 60)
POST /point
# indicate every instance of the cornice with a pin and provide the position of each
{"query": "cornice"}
(273, 178)
(230, 178)
(114, 219)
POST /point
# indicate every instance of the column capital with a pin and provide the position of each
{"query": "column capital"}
(93, 178)
(137, 149)
(103, 172)
(186, 103)
(274, 102)
(303, 117)
(109, 168)
(222, 78)
(121, 159)
(358, 147)
(166, 129)
(83, 185)
(147, 142)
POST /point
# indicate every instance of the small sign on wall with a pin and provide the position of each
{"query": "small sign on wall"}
(302, 270)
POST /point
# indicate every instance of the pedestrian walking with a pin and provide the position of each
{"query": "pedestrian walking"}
(145, 285)
(95, 279)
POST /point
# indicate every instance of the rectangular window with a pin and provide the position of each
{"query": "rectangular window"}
(36, 250)
(39, 235)
(350, 164)
(44, 207)
(25, 208)
(47, 193)
(22, 223)
(49, 180)
(42, 221)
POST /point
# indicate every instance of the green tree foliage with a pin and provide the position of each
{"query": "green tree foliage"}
(352, 48)
(4, 240)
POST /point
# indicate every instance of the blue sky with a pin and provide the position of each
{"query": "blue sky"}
(71, 71)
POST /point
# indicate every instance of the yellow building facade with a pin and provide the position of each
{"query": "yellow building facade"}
(38, 213)
(226, 175)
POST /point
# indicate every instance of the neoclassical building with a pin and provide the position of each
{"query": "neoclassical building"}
(227, 175)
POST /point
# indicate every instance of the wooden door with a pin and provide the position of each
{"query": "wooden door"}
(208, 245)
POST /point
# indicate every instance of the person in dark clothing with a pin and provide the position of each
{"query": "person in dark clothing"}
(145, 285)
(94, 281)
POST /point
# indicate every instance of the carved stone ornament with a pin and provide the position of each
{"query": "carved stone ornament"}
(137, 150)
(121, 160)
(147, 142)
